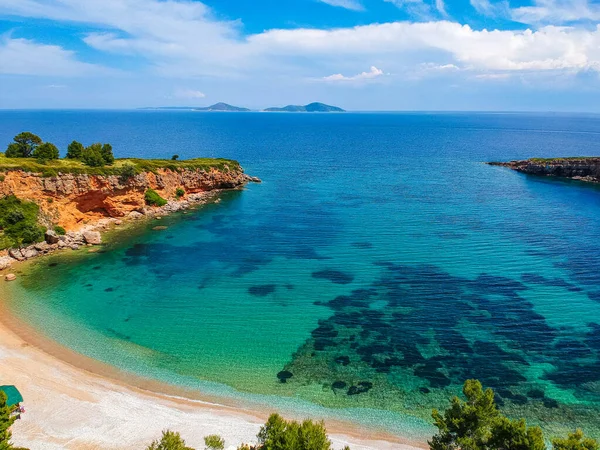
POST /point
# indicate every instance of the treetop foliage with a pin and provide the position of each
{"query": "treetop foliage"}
(23, 146)
(169, 441)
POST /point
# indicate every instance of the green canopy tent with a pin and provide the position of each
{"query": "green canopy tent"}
(13, 394)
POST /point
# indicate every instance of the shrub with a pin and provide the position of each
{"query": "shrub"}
(179, 192)
(127, 171)
(46, 152)
(214, 442)
(92, 156)
(19, 220)
(75, 150)
(175, 157)
(169, 441)
(278, 433)
(107, 154)
(23, 146)
(59, 230)
(2, 178)
(575, 441)
(152, 198)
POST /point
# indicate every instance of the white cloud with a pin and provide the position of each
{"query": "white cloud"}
(487, 8)
(373, 73)
(26, 57)
(557, 12)
(183, 39)
(189, 94)
(353, 5)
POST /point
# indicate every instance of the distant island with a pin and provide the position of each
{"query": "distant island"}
(225, 107)
(311, 107)
(582, 168)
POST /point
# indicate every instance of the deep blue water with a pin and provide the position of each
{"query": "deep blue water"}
(380, 264)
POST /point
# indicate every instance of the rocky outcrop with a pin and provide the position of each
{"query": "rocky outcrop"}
(583, 169)
(75, 200)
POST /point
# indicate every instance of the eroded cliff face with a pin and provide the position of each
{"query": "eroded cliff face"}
(584, 169)
(74, 201)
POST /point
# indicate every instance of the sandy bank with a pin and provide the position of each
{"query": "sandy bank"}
(72, 408)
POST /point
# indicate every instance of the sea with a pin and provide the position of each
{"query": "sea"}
(379, 265)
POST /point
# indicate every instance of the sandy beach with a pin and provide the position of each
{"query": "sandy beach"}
(68, 407)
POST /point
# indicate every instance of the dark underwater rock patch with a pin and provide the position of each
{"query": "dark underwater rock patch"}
(335, 276)
(343, 360)
(284, 375)
(362, 245)
(339, 385)
(262, 290)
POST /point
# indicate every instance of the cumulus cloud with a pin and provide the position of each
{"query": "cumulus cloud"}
(361, 77)
(27, 57)
(354, 5)
(180, 38)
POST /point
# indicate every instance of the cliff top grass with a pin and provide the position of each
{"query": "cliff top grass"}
(54, 167)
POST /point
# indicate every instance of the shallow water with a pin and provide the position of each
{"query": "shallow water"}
(378, 266)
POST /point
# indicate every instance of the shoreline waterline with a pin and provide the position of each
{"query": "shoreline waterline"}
(17, 338)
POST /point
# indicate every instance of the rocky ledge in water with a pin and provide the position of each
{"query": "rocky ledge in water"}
(575, 168)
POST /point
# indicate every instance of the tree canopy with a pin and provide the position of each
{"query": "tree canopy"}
(170, 440)
(6, 420)
(23, 146)
(46, 152)
(75, 150)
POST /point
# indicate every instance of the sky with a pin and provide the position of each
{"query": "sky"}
(485, 55)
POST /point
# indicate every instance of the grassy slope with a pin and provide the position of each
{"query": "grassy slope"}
(52, 168)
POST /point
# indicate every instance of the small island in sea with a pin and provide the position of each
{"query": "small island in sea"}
(581, 168)
(225, 107)
(311, 107)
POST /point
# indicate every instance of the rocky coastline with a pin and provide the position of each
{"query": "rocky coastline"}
(87, 205)
(583, 169)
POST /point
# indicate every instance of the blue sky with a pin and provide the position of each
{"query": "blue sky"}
(524, 55)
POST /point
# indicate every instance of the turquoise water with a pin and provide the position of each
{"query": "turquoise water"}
(378, 266)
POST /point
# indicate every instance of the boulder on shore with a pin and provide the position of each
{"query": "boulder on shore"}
(5, 262)
(10, 277)
(92, 237)
(51, 237)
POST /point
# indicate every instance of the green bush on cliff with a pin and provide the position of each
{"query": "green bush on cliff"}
(59, 230)
(19, 222)
(92, 155)
(179, 192)
(75, 150)
(153, 199)
(46, 152)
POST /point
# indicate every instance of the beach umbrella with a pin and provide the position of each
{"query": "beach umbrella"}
(13, 394)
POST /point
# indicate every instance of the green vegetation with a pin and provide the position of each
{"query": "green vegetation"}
(179, 192)
(75, 166)
(59, 230)
(477, 424)
(46, 152)
(23, 146)
(279, 434)
(6, 420)
(75, 150)
(557, 160)
(153, 199)
(575, 441)
(19, 222)
(97, 159)
(214, 442)
(169, 441)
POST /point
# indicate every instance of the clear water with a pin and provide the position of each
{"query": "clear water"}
(381, 264)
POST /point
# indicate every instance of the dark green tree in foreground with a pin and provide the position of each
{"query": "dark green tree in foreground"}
(279, 434)
(214, 442)
(92, 155)
(23, 146)
(6, 420)
(46, 152)
(169, 441)
(75, 150)
(575, 441)
(107, 154)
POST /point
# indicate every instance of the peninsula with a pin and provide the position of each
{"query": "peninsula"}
(583, 168)
(48, 203)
